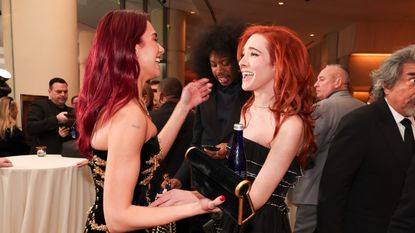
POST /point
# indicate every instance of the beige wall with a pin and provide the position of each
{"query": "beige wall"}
(44, 45)
(176, 45)
(362, 37)
(85, 37)
(360, 67)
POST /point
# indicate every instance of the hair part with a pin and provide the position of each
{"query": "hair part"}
(390, 71)
(293, 82)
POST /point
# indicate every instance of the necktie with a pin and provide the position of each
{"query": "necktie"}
(409, 134)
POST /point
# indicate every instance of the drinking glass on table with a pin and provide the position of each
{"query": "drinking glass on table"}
(41, 151)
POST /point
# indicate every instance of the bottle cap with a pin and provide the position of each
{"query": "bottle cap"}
(238, 126)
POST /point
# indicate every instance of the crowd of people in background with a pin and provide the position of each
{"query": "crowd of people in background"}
(347, 166)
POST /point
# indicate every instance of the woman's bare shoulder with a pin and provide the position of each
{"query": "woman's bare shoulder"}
(132, 111)
(293, 121)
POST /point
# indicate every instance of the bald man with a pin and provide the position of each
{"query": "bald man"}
(335, 101)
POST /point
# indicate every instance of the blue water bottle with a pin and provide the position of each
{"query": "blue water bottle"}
(236, 157)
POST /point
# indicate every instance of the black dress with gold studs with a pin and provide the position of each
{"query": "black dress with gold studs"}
(149, 162)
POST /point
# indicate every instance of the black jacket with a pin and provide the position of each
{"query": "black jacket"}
(13, 144)
(364, 173)
(43, 126)
(175, 157)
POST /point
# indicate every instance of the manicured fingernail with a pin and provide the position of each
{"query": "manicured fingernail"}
(222, 198)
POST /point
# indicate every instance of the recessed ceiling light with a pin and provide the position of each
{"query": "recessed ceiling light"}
(192, 12)
(312, 35)
(280, 3)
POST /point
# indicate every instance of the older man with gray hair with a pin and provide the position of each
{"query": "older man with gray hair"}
(335, 101)
(369, 156)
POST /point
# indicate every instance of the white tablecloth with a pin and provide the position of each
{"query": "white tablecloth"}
(45, 195)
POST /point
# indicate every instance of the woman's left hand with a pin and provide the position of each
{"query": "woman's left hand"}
(196, 93)
(180, 197)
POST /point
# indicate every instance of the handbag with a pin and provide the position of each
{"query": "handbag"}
(212, 179)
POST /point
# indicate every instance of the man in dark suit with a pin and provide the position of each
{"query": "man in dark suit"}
(403, 220)
(213, 56)
(368, 159)
(170, 91)
(49, 121)
(335, 101)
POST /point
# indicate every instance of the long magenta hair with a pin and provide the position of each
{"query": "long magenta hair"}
(293, 86)
(111, 72)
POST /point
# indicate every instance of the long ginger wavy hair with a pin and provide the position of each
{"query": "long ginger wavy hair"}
(293, 86)
(111, 72)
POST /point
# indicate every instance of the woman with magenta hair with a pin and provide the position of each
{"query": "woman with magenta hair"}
(116, 133)
(278, 127)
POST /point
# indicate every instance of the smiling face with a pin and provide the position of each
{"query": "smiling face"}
(402, 95)
(257, 70)
(149, 53)
(221, 67)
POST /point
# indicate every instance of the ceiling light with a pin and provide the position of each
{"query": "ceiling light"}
(280, 3)
(312, 35)
(192, 12)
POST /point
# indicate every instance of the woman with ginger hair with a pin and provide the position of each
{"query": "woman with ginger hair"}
(278, 127)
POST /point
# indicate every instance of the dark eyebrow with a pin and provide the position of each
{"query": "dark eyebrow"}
(411, 73)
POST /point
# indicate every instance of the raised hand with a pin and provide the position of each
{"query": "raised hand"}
(196, 92)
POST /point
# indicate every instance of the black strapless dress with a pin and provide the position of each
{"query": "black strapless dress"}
(95, 221)
(273, 216)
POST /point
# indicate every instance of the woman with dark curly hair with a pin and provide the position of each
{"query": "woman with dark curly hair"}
(213, 56)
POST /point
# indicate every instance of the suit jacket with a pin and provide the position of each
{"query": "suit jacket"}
(175, 157)
(43, 126)
(364, 172)
(328, 113)
(403, 220)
